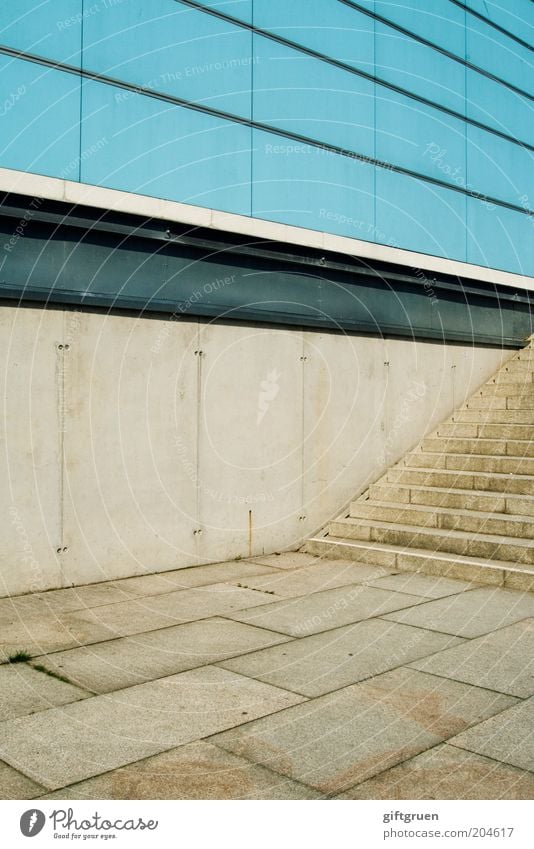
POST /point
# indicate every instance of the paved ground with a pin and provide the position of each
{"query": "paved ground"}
(282, 677)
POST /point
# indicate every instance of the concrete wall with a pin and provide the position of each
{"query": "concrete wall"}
(135, 445)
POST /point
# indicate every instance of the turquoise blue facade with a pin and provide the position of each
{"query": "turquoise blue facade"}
(409, 124)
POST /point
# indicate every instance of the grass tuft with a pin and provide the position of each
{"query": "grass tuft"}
(49, 672)
(19, 657)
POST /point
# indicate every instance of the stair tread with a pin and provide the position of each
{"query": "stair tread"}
(425, 508)
(489, 409)
(484, 493)
(480, 439)
(492, 417)
(506, 425)
(509, 565)
(499, 475)
(481, 456)
(442, 532)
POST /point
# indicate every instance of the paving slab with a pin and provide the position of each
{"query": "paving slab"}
(68, 744)
(196, 771)
(14, 785)
(24, 690)
(507, 737)
(322, 611)
(318, 577)
(470, 614)
(285, 559)
(120, 663)
(318, 664)
(446, 772)
(161, 611)
(502, 660)
(427, 586)
(42, 634)
(348, 736)
(109, 592)
(21, 608)
(194, 576)
(8, 610)
(73, 598)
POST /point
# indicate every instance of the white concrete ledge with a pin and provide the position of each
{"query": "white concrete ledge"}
(83, 194)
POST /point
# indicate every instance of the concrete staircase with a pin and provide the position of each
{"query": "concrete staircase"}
(461, 504)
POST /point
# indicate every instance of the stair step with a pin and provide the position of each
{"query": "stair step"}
(455, 498)
(498, 402)
(500, 431)
(479, 402)
(520, 403)
(471, 462)
(455, 479)
(480, 445)
(444, 518)
(457, 542)
(439, 564)
(484, 417)
(524, 376)
(516, 371)
(474, 430)
(460, 430)
(516, 363)
(455, 445)
(523, 355)
(487, 417)
(507, 389)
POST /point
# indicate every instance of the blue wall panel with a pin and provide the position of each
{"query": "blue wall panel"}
(492, 50)
(499, 107)
(418, 216)
(499, 168)
(500, 238)
(143, 144)
(419, 69)
(160, 149)
(168, 47)
(436, 20)
(305, 96)
(324, 25)
(514, 16)
(311, 188)
(50, 28)
(241, 9)
(420, 138)
(40, 114)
